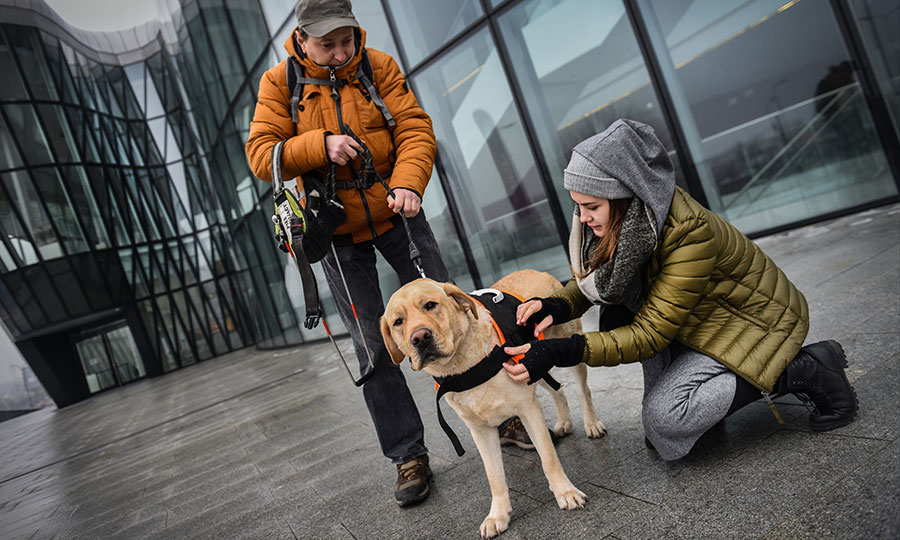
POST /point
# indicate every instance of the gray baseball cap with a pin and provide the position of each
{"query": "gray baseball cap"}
(319, 17)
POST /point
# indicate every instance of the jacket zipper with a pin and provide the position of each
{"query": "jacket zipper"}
(336, 96)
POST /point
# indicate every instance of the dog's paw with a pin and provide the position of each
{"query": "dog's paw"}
(562, 428)
(571, 498)
(494, 525)
(595, 429)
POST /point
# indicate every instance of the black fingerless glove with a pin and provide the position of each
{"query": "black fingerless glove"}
(555, 307)
(561, 352)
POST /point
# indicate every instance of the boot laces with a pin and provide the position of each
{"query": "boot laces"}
(412, 469)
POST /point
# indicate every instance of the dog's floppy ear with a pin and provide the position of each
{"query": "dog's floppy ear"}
(391, 346)
(464, 301)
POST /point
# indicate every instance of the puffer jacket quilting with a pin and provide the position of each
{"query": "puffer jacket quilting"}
(406, 151)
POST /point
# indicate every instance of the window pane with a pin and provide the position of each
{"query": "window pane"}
(24, 197)
(11, 84)
(97, 369)
(488, 164)
(32, 61)
(879, 24)
(55, 197)
(125, 355)
(57, 129)
(9, 156)
(614, 84)
(425, 25)
(23, 123)
(788, 134)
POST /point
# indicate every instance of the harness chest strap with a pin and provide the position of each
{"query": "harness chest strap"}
(501, 307)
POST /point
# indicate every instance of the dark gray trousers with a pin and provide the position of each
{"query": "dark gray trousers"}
(390, 403)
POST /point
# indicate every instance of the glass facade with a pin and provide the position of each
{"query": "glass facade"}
(135, 240)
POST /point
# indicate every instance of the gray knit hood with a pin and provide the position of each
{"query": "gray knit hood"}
(627, 153)
(626, 160)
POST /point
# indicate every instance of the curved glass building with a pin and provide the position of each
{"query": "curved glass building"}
(135, 240)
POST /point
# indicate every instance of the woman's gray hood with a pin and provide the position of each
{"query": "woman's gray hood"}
(629, 153)
(625, 161)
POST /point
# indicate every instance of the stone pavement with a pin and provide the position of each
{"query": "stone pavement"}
(278, 445)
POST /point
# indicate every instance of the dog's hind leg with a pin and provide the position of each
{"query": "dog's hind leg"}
(563, 414)
(568, 497)
(488, 442)
(592, 424)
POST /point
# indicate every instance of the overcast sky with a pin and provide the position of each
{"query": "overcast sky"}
(104, 15)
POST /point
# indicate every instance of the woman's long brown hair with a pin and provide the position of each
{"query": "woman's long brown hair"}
(606, 247)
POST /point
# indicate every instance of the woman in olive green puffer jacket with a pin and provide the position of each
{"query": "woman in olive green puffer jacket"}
(712, 319)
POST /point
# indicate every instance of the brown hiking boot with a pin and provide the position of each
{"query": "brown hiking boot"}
(512, 431)
(412, 481)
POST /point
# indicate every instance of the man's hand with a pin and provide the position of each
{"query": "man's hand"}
(406, 200)
(540, 356)
(341, 149)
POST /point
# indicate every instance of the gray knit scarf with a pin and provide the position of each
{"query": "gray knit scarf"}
(617, 281)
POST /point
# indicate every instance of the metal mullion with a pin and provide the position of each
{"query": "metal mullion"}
(562, 224)
(203, 321)
(223, 306)
(456, 219)
(871, 89)
(666, 101)
(176, 318)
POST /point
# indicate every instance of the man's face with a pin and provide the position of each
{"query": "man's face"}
(332, 49)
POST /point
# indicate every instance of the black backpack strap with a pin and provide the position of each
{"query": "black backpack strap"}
(365, 74)
(294, 84)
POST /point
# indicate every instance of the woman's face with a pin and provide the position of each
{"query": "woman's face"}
(594, 212)
(332, 49)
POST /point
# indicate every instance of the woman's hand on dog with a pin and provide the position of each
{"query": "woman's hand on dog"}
(542, 313)
(540, 356)
(517, 372)
(533, 308)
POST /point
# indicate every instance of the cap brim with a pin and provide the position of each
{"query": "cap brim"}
(322, 28)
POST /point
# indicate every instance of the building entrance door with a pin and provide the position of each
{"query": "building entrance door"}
(109, 357)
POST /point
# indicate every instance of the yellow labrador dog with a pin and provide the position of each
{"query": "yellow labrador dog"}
(446, 332)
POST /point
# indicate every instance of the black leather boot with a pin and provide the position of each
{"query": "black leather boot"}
(817, 375)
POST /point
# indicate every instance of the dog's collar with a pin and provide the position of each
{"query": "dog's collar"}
(501, 307)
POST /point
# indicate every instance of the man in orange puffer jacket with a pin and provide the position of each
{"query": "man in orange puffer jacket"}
(328, 42)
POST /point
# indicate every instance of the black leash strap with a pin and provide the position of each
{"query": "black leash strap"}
(479, 374)
(367, 170)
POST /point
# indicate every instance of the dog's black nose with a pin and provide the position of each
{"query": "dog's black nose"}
(420, 337)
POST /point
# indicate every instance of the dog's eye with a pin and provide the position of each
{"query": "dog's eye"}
(429, 306)
(398, 321)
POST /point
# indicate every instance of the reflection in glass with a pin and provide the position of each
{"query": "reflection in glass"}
(879, 24)
(97, 370)
(488, 163)
(569, 98)
(425, 25)
(771, 107)
(125, 355)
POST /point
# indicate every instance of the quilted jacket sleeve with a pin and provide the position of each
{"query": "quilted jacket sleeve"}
(272, 123)
(688, 256)
(571, 293)
(413, 135)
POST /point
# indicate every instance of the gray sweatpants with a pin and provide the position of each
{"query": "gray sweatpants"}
(685, 394)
